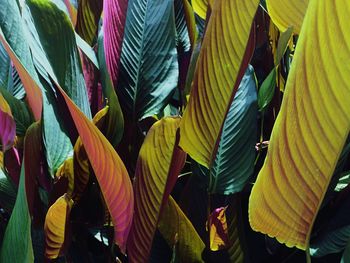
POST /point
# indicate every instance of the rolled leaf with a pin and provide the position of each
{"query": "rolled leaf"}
(286, 13)
(158, 166)
(293, 181)
(55, 226)
(216, 80)
(110, 172)
(149, 66)
(7, 125)
(174, 222)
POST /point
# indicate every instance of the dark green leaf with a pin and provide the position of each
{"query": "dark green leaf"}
(267, 90)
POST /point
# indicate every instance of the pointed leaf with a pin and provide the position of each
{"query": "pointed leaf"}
(174, 222)
(234, 161)
(310, 131)
(17, 243)
(158, 166)
(267, 90)
(286, 13)
(55, 226)
(216, 80)
(110, 172)
(149, 66)
(5, 66)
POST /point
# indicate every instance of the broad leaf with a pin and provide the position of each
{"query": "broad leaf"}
(293, 181)
(158, 166)
(174, 222)
(58, 41)
(149, 66)
(7, 191)
(216, 80)
(234, 160)
(182, 33)
(113, 31)
(5, 67)
(218, 231)
(286, 13)
(7, 125)
(110, 172)
(200, 7)
(89, 13)
(55, 226)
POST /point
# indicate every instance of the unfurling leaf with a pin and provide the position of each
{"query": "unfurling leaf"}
(310, 131)
(216, 80)
(55, 226)
(217, 226)
(158, 166)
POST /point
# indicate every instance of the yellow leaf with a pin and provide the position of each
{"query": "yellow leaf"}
(174, 222)
(310, 130)
(286, 13)
(218, 233)
(218, 68)
(55, 226)
(158, 166)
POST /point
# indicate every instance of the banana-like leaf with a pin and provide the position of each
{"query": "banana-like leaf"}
(89, 13)
(190, 22)
(5, 66)
(182, 33)
(17, 242)
(158, 166)
(221, 64)
(55, 226)
(58, 41)
(234, 160)
(67, 170)
(200, 7)
(149, 66)
(310, 131)
(218, 231)
(286, 13)
(7, 192)
(174, 222)
(110, 172)
(234, 227)
(20, 112)
(114, 19)
(15, 85)
(7, 125)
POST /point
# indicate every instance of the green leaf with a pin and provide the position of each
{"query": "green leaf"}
(182, 36)
(58, 41)
(17, 243)
(5, 65)
(7, 192)
(149, 66)
(20, 112)
(346, 255)
(267, 90)
(283, 44)
(343, 182)
(87, 49)
(234, 161)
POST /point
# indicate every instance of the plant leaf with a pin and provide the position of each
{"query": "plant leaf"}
(149, 66)
(89, 13)
(55, 226)
(283, 44)
(158, 166)
(173, 221)
(20, 112)
(267, 90)
(234, 161)
(7, 191)
(216, 80)
(7, 125)
(113, 31)
(218, 232)
(310, 130)
(200, 7)
(286, 13)
(53, 26)
(5, 66)
(17, 242)
(110, 172)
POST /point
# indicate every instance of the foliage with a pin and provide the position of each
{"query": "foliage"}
(174, 131)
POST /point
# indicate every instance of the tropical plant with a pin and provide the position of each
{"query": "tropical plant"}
(174, 131)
